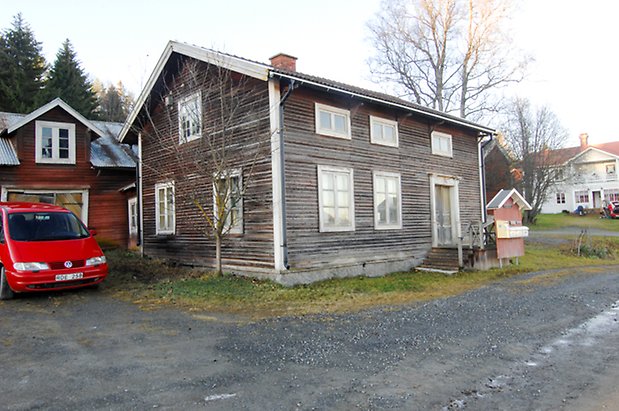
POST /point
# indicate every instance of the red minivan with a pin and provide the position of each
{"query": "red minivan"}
(45, 247)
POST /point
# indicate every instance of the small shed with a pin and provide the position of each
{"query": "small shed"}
(506, 208)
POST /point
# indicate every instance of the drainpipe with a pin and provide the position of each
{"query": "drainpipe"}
(282, 158)
(483, 173)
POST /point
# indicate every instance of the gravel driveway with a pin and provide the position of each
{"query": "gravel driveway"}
(540, 341)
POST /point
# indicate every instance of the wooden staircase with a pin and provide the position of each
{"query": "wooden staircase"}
(441, 259)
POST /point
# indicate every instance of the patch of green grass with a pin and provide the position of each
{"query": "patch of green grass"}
(152, 283)
(557, 221)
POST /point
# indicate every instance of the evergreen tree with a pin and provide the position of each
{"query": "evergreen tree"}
(114, 102)
(21, 68)
(66, 79)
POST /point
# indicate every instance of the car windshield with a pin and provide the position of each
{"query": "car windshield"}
(45, 226)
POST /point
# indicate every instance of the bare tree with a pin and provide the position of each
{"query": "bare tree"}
(531, 135)
(445, 54)
(209, 145)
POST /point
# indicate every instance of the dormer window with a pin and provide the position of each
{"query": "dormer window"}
(55, 142)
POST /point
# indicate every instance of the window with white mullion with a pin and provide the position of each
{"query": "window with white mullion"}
(383, 131)
(190, 118)
(387, 201)
(164, 208)
(442, 144)
(227, 191)
(336, 199)
(55, 142)
(332, 121)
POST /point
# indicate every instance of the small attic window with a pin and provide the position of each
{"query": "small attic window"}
(55, 142)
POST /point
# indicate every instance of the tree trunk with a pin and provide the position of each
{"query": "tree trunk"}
(218, 255)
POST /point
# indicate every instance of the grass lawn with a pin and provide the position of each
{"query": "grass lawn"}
(153, 284)
(555, 221)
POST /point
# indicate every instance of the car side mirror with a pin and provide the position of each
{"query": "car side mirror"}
(92, 231)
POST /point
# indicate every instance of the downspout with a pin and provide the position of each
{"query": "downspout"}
(483, 174)
(282, 170)
(138, 186)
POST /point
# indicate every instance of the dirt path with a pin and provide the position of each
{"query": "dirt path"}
(541, 341)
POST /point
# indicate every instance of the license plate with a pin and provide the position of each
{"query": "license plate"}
(65, 277)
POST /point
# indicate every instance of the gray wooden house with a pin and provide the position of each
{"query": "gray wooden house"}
(354, 182)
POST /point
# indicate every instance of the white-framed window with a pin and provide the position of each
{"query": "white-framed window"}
(383, 131)
(190, 118)
(332, 121)
(611, 195)
(228, 192)
(441, 144)
(55, 142)
(387, 200)
(560, 198)
(581, 196)
(610, 169)
(132, 204)
(336, 199)
(164, 208)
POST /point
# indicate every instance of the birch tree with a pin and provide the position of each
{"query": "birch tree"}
(531, 134)
(450, 55)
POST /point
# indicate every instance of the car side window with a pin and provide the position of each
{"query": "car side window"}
(1, 230)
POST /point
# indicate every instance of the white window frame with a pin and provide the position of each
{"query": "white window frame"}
(55, 126)
(610, 169)
(332, 111)
(383, 122)
(351, 199)
(436, 149)
(238, 227)
(169, 212)
(182, 109)
(581, 195)
(132, 215)
(560, 197)
(389, 225)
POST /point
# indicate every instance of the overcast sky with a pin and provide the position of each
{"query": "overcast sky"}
(574, 43)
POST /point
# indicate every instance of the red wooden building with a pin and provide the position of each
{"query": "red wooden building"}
(55, 155)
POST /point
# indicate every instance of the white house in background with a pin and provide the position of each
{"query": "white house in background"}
(588, 176)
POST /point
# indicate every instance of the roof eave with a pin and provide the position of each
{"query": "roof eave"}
(436, 115)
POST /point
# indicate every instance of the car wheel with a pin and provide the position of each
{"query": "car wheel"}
(5, 291)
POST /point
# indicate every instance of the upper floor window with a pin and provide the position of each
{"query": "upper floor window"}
(190, 118)
(383, 131)
(336, 199)
(164, 208)
(441, 144)
(55, 142)
(387, 201)
(332, 121)
(610, 169)
(560, 198)
(227, 197)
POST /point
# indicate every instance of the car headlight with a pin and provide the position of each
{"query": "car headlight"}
(30, 266)
(95, 261)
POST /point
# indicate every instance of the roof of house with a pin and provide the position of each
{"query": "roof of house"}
(563, 155)
(502, 196)
(264, 71)
(105, 151)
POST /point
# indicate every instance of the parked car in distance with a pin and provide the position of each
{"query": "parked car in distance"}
(46, 247)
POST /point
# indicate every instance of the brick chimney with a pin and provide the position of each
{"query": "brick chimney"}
(284, 62)
(584, 140)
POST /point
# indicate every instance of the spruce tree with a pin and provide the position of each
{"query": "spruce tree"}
(67, 80)
(21, 68)
(115, 103)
